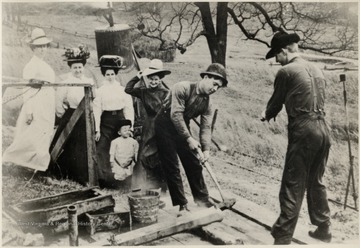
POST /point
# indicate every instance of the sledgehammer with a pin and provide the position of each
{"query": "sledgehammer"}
(226, 203)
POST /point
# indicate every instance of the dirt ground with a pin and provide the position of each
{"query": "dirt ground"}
(248, 177)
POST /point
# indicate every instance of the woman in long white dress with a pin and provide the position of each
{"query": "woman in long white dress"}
(35, 124)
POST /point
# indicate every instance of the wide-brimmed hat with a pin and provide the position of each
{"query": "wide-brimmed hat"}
(124, 122)
(111, 62)
(75, 54)
(217, 70)
(156, 67)
(281, 40)
(38, 37)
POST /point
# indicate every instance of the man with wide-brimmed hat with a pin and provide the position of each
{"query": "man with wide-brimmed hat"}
(189, 100)
(300, 86)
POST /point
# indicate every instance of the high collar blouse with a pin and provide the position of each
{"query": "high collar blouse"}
(111, 97)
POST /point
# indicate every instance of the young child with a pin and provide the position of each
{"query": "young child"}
(123, 155)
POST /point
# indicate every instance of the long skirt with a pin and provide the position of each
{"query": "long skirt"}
(109, 127)
(30, 147)
(72, 162)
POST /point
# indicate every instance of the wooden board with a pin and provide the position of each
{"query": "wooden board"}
(264, 217)
(167, 228)
(220, 234)
(55, 152)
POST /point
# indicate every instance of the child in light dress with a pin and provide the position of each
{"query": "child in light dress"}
(123, 155)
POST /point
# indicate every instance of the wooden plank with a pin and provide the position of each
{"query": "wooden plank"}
(264, 217)
(167, 228)
(90, 140)
(219, 234)
(67, 130)
(251, 233)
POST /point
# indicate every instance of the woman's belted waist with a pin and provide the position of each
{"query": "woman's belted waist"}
(112, 112)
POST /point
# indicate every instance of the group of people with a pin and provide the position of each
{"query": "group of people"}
(166, 137)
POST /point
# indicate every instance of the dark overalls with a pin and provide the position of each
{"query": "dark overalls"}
(301, 87)
(172, 145)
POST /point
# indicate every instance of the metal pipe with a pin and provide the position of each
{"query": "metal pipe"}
(73, 226)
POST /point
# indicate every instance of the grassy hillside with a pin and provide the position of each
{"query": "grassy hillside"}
(238, 124)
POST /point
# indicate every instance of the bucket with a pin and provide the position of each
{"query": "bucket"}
(144, 206)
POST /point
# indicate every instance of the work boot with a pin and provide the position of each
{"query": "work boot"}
(206, 203)
(183, 211)
(322, 233)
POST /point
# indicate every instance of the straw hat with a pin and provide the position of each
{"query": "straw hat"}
(156, 67)
(38, 37)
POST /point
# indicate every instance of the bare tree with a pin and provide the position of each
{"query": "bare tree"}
(328, 28)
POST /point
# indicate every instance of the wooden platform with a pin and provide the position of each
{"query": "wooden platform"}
(245, 224)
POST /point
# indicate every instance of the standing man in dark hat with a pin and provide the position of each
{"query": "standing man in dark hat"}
(300, 86)
(189, 100)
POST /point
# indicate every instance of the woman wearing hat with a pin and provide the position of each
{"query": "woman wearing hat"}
(154, 95)
(111, 105)
(35, 124)
(188, 100)
(73, 160)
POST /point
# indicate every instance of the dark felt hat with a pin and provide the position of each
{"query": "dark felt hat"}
(217, 70)
(111, 61)
(124, 122)
(281, 40)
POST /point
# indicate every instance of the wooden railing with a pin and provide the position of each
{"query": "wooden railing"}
(85, 106)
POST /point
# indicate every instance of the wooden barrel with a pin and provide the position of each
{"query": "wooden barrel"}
(115, 40)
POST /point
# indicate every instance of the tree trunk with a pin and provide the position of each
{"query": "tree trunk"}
(216, 40)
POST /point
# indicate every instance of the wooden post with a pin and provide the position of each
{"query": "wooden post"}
(90, 134)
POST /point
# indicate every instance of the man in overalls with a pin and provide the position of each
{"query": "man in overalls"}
(300, 86)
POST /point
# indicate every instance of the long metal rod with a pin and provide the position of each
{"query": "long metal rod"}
(351, 158)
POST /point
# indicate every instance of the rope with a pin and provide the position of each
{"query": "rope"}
(10, 98)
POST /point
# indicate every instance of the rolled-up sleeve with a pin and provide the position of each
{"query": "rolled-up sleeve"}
(128, 108)
(98, 109)
(205, 129)
(179, 95)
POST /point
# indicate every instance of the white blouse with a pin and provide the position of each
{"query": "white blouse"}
(70, 97)
(111, 97)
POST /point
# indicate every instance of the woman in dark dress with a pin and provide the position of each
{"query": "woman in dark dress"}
(154, 95)
(72, 162)
(111, 105)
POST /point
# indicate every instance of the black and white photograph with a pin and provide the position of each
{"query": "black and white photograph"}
(180, 123)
